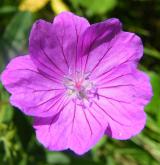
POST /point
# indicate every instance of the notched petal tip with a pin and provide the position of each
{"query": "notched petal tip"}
(122, 132)
(12, 65)
(67, 14)
(39, 26)
(114, 21)
(142, 95)
(78, 134)
(112, 24)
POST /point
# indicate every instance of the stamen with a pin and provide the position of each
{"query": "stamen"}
(81, 88)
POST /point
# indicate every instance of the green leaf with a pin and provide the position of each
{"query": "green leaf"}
(154, 106)
(57, 158)
(95, 6)
(152, 52)
(6, 111)
(7, 9)
(15, 37)
(152, 125)
(152, 147)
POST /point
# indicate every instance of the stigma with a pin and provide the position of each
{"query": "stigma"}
(80, 87)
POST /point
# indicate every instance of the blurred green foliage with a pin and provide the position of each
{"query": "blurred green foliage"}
(18, 145)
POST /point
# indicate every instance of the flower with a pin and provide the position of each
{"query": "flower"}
(79, 82)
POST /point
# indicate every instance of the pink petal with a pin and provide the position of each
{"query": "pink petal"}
(105, 46)
(53, 46)
(123, 96)
(96, 41)
(72, 128)
(126, 48)
(32, 91)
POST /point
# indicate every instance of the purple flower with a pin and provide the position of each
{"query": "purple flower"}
(79, 82)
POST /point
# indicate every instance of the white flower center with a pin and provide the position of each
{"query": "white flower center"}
(80, 88)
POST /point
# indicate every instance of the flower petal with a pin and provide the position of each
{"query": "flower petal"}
(96, 41)
(105, 46)
(126, 48)
(72, 128)
(123, 96)
(53, 46)
(32, 91)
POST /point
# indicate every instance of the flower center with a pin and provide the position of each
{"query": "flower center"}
(81, 88)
